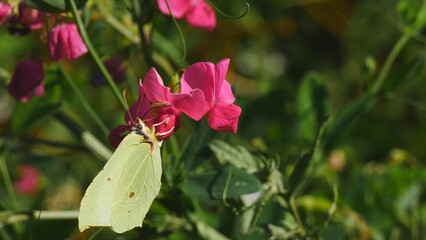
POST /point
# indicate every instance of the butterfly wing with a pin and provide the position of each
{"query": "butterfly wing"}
(96, 205)
(137, 188)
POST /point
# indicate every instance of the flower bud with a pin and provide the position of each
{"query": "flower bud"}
(27, 80)
(65, 42)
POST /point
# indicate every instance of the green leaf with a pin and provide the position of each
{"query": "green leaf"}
(197, 186)
(53, 6)
(313, 105)
(238, 156)
(229, 182)
(234, 182)
(406, 73)
(344, 118)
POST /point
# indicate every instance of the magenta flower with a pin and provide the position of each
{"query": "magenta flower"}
(222, 114)
(198, 13)
(5, 12)
(30, 17)
(65, 42)
(27, 80)
(187, 102)
(28, 180)
(159, 109)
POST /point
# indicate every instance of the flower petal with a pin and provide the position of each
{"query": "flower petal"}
(65, 42)
(154, 88)
(224, 117)
(202, 76)
(192, 103)
(140, 109)
(225, 94)
(178, 7)
(30, 17)
(166, 122)
(6, 11)
(116, 135)
(201, 15)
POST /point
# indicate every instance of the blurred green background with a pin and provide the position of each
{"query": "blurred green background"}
(295, 65)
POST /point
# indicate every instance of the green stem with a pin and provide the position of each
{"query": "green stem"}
(229, 16)
(94, 54)
(182, 38)
(6, 177)
(84, 101)
(417, 104)
(390, 60)
(11, 217)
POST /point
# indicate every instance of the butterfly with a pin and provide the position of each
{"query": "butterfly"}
(123, 191)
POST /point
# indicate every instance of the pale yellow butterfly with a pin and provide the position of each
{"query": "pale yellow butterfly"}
(122, 193)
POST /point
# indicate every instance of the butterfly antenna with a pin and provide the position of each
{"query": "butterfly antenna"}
(127, 105)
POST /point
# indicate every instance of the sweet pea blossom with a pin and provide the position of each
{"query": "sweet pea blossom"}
(28, 181)
(27, 80)
(222, 114)
(197, 13)
(158, 108)
(5, 12)
(30, 17)
(65, 42)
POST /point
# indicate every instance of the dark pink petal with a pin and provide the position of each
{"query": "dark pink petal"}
(30, 17)
(65, 42)
(166, 122)
(225, 94)
(202, 76)
(27, 80)
(5, 12)
(192, 104)
(178, 7)
(224, 117)
(201, 16)
(221, 69)
(140, 109)
(154, 88)
(117, 135)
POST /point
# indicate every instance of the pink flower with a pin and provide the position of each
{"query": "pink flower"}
(187, 102)
(159, 109)
(198, 13)
(27, 80)
(65, 42)
(222, 114)
(5, 12)
(30, 17)
(27, 183)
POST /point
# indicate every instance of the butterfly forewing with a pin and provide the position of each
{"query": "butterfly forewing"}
(131, 165)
